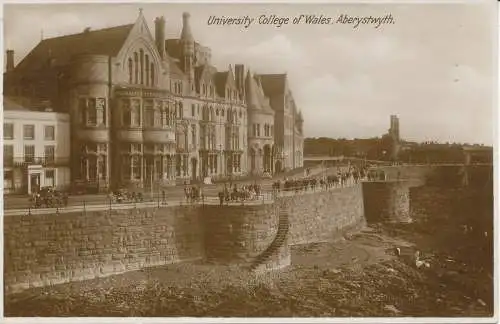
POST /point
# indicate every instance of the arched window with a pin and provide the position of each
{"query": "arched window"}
(130, 70)
(152, 74)
(147, 70)
(181, 112)
(142, 65)
(136, 67)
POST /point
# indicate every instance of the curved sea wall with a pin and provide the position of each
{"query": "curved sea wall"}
(50, 249)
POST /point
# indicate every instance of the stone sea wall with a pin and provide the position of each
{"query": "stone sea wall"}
(45, 250)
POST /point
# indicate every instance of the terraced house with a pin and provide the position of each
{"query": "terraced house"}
(147, 111)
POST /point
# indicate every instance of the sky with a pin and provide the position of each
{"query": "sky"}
(433, 67)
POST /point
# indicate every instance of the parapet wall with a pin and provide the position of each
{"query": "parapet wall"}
(45, 250)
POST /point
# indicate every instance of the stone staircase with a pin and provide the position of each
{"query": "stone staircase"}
(278, 242)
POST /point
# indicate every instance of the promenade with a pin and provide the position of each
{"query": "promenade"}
(174, 196)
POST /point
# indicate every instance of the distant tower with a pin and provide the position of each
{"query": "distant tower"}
(187, 47)
(394, 130)
(394, 134)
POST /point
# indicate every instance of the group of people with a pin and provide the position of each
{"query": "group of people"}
(50, 197)
(193, 193)
(341, 179)
(233, 193)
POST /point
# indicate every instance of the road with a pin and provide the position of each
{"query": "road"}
(173, 194)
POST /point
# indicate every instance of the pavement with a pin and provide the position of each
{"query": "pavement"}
(20, 205)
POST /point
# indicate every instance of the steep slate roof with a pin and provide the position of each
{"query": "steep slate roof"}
(106, 41)
(175, 70)
(273, 84)
(220, 83)
(255, 95)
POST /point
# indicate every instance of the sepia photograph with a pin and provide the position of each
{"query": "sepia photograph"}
(250, 160)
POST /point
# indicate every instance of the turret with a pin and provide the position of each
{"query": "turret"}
(187, 44)
(160, 36)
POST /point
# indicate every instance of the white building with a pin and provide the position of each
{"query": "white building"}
(36, 148)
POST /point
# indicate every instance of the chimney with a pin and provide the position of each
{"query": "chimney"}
(160, 35)
(10, 60)
(186, 34)
(239, 75)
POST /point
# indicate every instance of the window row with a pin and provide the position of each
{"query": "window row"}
(207, 138)
(208, 114)
(177, 87)
(207, 90)
(136, 148)
(92, 111)
(232, 138)
(140, 69)
(268, 130)
(29, 154)
(29, 132)
(155, 115)
(231, 94)
(93, 168)
(96, 148)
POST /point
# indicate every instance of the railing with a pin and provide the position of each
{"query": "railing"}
(34, 160)
(102, 203)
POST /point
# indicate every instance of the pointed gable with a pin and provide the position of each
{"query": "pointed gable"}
(204, 74)
(59, 50)
(255, 96)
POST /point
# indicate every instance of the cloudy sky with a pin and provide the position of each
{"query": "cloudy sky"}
(434, 67)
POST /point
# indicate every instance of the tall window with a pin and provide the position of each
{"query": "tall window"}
(49, 133)
(141, 57)
(49, 153)
(152, 74)
(126, 114)
(130, 71)
(193, 108)
(157, 115)
(29, 132)
(180, 111)
(149, 116)
(29, 153)
(193, 135)
(136, 113)
(100, 108)
(136, 67)
(8, 155)
(8, 131)
(136, 167)
(8, 179)
(147, 69)
(49, 178)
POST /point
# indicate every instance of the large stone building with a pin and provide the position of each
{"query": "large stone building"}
(146, 110)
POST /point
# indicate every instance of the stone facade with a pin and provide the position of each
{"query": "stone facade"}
(146, 111)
